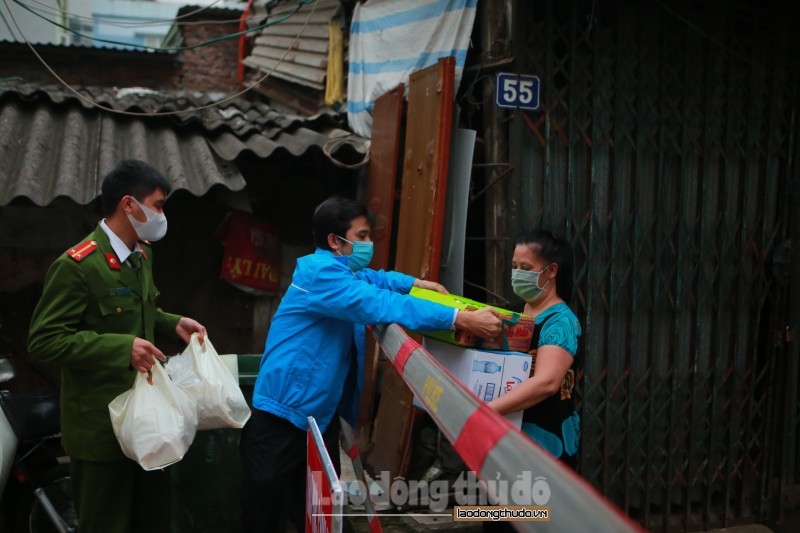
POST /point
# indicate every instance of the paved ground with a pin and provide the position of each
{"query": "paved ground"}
(751, 528)
(400, 522)
(407, 523)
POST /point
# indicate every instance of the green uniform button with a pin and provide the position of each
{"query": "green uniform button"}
(119, 309)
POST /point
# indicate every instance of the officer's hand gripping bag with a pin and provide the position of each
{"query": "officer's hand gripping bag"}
(220, 402)
(155, 421)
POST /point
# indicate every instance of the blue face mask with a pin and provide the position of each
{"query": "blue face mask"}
(361, 256)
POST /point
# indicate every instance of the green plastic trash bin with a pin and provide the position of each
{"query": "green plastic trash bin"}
(207, 483)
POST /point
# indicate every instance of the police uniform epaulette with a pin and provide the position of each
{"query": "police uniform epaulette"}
(80, 252)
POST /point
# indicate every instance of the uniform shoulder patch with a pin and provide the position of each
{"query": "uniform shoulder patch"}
(80, 252)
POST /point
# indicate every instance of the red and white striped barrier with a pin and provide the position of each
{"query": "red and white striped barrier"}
(496, 451)
(352, 452)
(324, 495)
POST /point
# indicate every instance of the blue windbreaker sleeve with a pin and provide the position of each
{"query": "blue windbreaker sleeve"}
(394, 281)
(336, 293)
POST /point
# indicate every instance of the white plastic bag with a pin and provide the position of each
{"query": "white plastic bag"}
(220, 402)
(181, 369)
(155, 421)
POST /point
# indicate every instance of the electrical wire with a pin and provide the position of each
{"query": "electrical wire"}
(299, 6)
(360, 144)
(713, 40)
(260, 27)
(98, 105)
(748, 18)
(10, 31)
(52, 11)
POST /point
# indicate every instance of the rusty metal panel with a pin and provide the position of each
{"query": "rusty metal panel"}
(366, 408)
(667, 163)
(382, 171)
(425, 164)
(391, 437)
(419, 238)
(380, 197)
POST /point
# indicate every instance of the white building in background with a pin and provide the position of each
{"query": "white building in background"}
(80, 22)
(132, 21)
(38, 23)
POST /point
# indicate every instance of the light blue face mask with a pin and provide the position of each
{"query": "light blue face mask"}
(361, 256)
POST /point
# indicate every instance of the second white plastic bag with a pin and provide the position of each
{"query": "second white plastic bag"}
(155, 421)
(220, 402)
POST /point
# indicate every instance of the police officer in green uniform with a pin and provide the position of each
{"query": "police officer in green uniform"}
(97, 319)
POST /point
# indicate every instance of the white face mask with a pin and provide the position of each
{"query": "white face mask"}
(152, 229)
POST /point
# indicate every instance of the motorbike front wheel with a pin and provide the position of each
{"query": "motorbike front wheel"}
(31, 515)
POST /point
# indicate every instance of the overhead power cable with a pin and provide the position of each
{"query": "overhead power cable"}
(10, 30)
(299, 6)
(52, 11)
(710, 38)
(98, 105)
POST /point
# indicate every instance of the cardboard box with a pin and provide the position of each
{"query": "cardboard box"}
(517, 334)
(488, 374)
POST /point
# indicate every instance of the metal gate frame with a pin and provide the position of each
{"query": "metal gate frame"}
(665, 152)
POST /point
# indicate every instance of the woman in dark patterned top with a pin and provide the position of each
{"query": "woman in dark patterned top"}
(541, 275)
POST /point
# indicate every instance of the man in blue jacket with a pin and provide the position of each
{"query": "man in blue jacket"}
(314, 358)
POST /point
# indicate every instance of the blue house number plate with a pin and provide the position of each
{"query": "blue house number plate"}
(517, 90)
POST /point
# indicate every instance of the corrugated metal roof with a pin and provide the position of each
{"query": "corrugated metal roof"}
(49, 151)
(96, 46)
(307, 63)
(224, 10)
(52, 143)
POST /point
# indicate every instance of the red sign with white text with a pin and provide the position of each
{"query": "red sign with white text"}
(252, 259)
